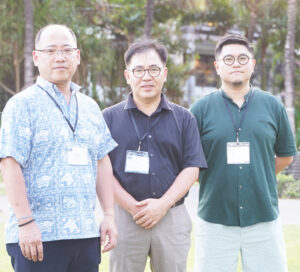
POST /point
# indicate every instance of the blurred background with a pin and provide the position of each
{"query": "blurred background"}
(188, 28)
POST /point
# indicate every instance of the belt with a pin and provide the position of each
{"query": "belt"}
(179, 202)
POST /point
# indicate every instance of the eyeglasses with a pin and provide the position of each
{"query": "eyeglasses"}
(153, 71)
(242, 59)
(51, 52)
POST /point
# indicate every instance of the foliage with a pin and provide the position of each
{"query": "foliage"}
(288, 187)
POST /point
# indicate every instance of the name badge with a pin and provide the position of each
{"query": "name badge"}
(77, 155)
(137, 162)
(238, 153)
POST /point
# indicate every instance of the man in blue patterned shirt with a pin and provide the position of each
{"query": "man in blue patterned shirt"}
(53, 149)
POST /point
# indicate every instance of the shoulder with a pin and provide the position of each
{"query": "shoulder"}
(180, 111)
(205, 101)
(114, 110)
(267, 98)
(87, 100)
(23, 98)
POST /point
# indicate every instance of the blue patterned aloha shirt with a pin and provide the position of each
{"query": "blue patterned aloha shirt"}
(34, 132)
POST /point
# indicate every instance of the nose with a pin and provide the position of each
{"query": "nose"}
(147, 75)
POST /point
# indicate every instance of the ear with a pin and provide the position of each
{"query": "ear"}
(35, 57)
(165, 74)
(78, 56)
(216, 66)
(127, 76)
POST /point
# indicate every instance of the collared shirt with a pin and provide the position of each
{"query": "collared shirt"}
(241, 194)
(173, 143)
(35, 133)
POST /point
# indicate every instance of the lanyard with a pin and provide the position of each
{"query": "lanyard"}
(68, 121)
(237, 128)
(137, 130)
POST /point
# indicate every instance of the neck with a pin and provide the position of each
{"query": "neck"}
(147, 107)
(236, 93)
(66, 91)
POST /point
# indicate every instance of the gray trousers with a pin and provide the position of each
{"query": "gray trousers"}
(167, 243)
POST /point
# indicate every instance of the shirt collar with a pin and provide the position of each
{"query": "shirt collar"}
(164, 103)
(52, 89)
(246, 97)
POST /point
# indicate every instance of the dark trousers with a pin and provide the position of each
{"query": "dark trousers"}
(80, 255)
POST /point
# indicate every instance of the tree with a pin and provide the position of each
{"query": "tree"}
(149, 18)
(28, 44)
(289, 61)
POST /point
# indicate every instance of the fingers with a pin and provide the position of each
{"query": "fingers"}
(32, 252)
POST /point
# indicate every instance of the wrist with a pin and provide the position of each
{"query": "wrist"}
(26, 223)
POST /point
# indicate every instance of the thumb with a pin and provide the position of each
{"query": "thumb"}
(141, 203)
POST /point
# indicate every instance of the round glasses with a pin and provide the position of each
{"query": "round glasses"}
(140, 72)
(242, 59)
(51, 51)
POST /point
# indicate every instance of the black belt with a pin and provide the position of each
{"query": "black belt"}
(179, 202)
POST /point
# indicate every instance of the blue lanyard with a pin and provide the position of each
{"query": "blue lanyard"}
(68, 121)
(137, 130)
(237, 128)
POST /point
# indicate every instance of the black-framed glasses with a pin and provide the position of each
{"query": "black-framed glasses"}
(242, 59)
(153, 71)
(51, 51)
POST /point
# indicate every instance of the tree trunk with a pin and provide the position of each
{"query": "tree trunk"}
(289, 61)
(16, 61)
(149, 18)
(28, 44)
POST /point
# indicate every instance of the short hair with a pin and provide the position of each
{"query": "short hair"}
(233, 39)
(144, 46)
(38, 35)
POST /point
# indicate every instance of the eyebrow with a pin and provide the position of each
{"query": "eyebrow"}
(152, 65)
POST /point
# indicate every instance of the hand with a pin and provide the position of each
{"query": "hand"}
(30, 241)
(108, 233)
(153, 211)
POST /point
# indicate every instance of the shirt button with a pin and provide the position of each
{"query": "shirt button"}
(241, 167)
(153, 193)
(153, 173)
(150, 136)
(241, 207)
(240, 129)
(151, 155)
(241, 186)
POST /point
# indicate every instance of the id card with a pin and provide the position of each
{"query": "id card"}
(238, 153)
(77, 155)
(137, 162)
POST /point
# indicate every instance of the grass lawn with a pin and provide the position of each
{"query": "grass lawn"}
(291, 233)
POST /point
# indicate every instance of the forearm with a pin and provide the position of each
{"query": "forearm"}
(123, 198)
(282, 162)
(15, 187)
(181, 185)
(104, 186)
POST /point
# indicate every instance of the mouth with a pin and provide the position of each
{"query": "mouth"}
(236, 72)
(147, 86)
(60, 68)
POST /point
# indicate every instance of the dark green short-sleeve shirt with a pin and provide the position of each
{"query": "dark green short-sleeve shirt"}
(241, 194)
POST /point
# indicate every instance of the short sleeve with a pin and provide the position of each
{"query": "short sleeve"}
(193, 154)
(285, 143)
(106, 142)
(15, 133)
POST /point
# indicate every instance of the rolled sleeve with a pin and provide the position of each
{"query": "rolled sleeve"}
(15, 133)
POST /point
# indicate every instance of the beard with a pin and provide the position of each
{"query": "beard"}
(237, 83)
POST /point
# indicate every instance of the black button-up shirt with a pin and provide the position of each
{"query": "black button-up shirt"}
(173, 143)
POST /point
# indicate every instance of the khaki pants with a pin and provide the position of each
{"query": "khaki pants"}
(167, 244)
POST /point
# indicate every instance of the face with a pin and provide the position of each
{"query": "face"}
(236, 74)
(57, 68)
(148, 87)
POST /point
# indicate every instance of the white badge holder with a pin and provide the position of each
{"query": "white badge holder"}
(238, 153)
(77, 155)
(137, 162)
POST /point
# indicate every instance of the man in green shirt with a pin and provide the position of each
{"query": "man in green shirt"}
(247, 140)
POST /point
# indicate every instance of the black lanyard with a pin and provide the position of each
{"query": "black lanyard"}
(137, 130)
(237, 128)
(68, 121)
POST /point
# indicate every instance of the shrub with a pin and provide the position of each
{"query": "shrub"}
(288, 187)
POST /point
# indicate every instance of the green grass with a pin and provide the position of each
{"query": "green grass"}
(291, 234)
